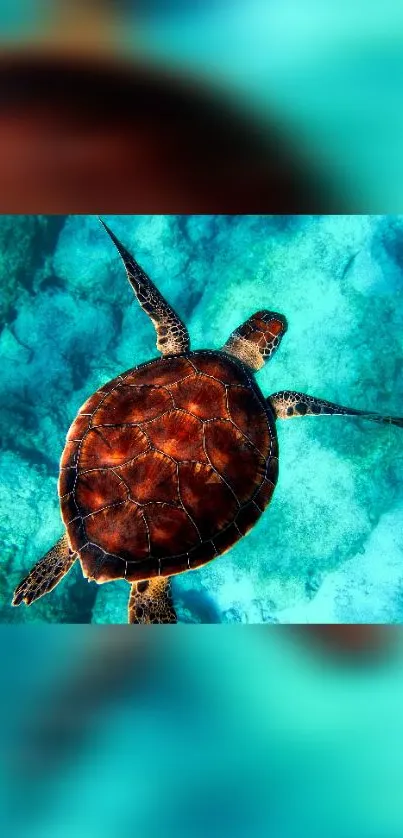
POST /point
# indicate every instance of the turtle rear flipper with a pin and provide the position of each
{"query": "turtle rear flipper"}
(46, 574)
(288, 404)
(151, 601)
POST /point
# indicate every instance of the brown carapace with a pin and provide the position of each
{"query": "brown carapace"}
(172, 462)
(166, 467)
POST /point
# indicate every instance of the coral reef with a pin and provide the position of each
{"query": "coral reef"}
(328, 548)
(26, 243)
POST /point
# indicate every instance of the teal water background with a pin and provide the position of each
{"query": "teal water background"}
(221, 731)
(330, 546)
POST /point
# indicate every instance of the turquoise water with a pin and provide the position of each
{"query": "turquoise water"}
(330, 546)
(287, 742)
(329, 73)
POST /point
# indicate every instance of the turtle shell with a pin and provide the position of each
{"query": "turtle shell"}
(166, 467)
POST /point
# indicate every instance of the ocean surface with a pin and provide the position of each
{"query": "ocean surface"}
(330, 546)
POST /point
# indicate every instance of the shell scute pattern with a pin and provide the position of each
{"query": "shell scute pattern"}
(166, 467)
(132, 404)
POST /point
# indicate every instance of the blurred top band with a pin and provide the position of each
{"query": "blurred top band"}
(88, 134)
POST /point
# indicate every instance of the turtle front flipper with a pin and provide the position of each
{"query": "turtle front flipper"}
(151, 601)
(46, 574)
(172, 334)
(257, 339)
(288, 404)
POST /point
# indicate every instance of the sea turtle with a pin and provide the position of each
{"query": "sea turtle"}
(169, 464)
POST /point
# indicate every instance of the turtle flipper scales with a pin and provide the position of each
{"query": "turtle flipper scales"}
(288, 404)
(151, 602)
(172, 334)
(46, 574)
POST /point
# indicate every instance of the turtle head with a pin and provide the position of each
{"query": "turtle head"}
(257, 339)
